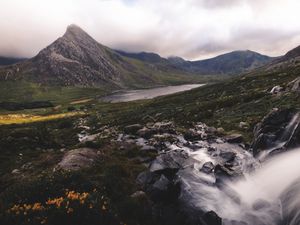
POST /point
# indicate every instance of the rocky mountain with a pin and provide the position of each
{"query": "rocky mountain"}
(293, 53)
(230, 63)
(9, 60)
(145, 56)
(76, 59)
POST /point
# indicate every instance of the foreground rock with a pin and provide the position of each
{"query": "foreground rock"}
(78, 159)
(278, 131)
(191, 168)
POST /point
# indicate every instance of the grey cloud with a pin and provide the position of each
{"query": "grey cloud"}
(191, 29)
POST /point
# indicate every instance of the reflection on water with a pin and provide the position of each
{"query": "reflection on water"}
(132, 95)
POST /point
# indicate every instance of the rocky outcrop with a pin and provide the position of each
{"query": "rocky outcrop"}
(189, 165)
(277, 131)
(294, 85)
(78, 159)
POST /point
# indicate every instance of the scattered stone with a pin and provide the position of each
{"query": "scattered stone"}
(207, 167)
(228, 156)
(275, 90)
(234, 138)
(132, 129)
(220, 130)
(146, 132)
(16, 171)
(244, 125)
(138, 195)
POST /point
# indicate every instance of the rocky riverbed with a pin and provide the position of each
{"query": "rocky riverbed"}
(200, 171)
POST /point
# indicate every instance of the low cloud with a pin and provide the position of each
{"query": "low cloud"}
(192, 29)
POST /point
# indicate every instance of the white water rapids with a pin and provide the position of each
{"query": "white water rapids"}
(266, 195)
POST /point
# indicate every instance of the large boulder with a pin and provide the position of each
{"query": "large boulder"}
(277, 131)
(78, 159)
(295, 85)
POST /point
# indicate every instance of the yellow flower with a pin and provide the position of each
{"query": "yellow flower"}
(37, 207)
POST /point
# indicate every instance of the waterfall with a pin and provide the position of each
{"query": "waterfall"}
(269, 194)
(269, 185)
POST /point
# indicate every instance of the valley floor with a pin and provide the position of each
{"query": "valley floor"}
(35, 189)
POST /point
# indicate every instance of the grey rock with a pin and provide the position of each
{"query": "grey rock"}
(207, 167)
(16, 171)
(78, 159)
(234, 138)
(138, 194)
(260, 204)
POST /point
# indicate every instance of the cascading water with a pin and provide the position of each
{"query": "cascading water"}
(267, 187)
(267, 193)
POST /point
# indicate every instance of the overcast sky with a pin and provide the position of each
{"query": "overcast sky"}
(192, 29)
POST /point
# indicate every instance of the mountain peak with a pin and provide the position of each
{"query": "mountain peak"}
(75, 31)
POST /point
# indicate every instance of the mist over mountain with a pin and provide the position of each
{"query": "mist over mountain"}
(77, 59)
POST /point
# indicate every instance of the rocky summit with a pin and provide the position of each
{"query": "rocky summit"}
(76, 59)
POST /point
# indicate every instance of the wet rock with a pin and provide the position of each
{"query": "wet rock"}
(279, 126)
(207, 167)
(164, 190)
(162, 184)
(164, 127)
(234, 138)
(169, 161)
(211, 218)
(146, 178)
(78, 158)
(132, 129)
(228, 156)
(260, 204)
(224, 173)
(192, 135)
(146, 132)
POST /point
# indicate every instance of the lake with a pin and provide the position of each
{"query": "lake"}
(132, 95)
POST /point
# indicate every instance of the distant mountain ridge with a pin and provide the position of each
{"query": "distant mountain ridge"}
(4, 61)
(230, 63)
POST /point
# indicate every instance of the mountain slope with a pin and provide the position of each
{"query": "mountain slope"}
(230, 63)
(76, 59)
(246, 98)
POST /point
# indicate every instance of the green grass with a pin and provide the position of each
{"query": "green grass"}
(225, 104)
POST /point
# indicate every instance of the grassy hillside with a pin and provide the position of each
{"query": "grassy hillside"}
(29, 151)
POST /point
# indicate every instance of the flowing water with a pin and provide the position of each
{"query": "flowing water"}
(267, 194)
(132, 95)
